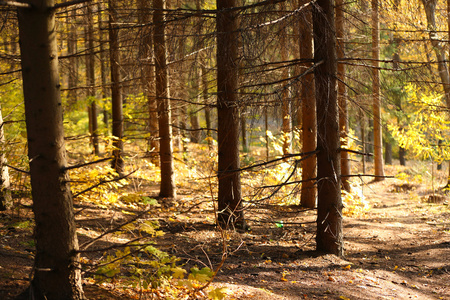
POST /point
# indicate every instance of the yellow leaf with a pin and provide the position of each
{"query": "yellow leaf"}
(178, 272)
(348, 267)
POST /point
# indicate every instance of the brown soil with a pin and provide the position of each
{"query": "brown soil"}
(399, 249)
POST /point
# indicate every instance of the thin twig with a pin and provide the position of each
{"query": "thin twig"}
(86, 245)
(102, 182)
(87, 164)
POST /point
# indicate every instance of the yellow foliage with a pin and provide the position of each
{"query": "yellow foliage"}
(427, 126)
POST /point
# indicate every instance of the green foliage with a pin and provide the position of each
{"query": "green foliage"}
(147, 269)
(28, 225)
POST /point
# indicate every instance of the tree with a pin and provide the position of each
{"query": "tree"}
(148, 76)
(377, 129)
(230, 212)
(286, 127)
(342, 101)
(5, 192)
(73, 60)
(167, 187)
(56, 269)
(309, 132)
(329, 209)
(90, 76)
(116, 90)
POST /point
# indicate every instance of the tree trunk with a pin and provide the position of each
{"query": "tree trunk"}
(286, 127)
(103, 64)
(342, 94)
(329, 209)
(244, 132)
(195, 125)
(148, 76)
(5, 191)
(73, 60)
(402, 156)
(56, 268)
(90, 76)
(230, 211)
(363, 139)
(116, 91)
(309, 124)
(388, 153)
(266, 132)
(204, 81)
(362, 124)
(167, 188)
(377, 128)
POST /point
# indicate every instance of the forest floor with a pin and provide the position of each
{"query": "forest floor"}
(397, 249)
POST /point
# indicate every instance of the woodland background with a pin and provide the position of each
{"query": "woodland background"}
(248, 105)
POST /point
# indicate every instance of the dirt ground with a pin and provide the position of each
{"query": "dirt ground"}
(399, 249)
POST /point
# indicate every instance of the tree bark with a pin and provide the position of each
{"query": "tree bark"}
(56, 268)
(204, 81)
(244, 132)
(116, 90)
(329, 210)
(90, 76)
(167, 187)
(309, 123)
(5, 191)
(388, 153)
(286, 127)
(402, 156)
(342, 94)
(195, 125)
(148, 77)
(377, 128)
(230, 211)
(72, 94)
(103, 64)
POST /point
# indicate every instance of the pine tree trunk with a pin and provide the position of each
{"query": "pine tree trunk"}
(244, 132)
(342, 94)
(5, 191)
(116, 90)
(148, 76)
(402, 156)
(309, 124)
(56, 268)
(73, 60)
(329, 210)
(167, 187)
(195, 125)
(90, 76)
(103, 64)
(388, 153)
(286, 128)
(377, 126)
(230, 211)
